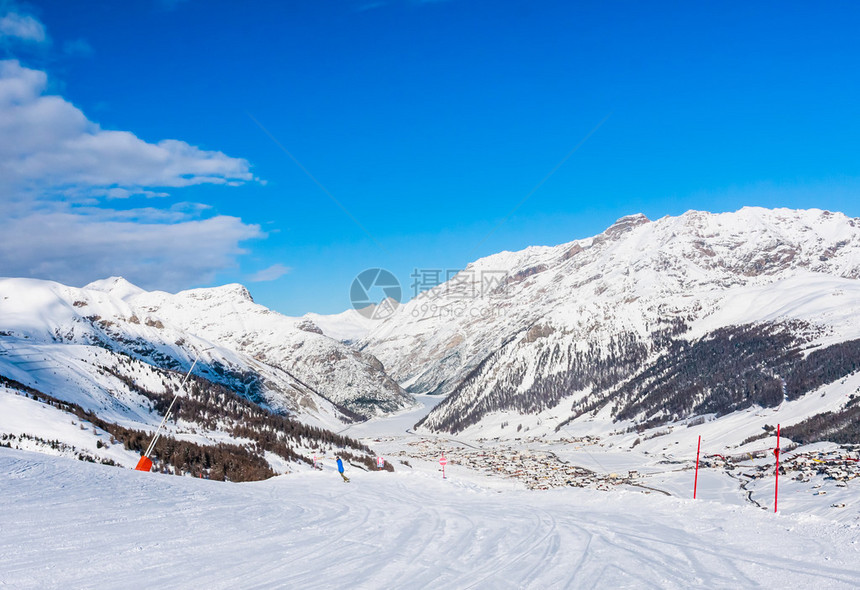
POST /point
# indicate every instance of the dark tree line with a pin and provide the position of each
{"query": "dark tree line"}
(841, 427)
(222, 462)
(213, 406)
(732, 369)
(598, 367)
(448, 409)
(823, 366)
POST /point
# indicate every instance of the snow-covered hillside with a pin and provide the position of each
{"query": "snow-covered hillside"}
(283, 361)
(82, 369)
(229, 317)
(596, 323)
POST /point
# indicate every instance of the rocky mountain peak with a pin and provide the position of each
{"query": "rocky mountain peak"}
(625, 224)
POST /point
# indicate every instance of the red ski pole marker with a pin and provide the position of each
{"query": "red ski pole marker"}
(696, 479)
(776, 481)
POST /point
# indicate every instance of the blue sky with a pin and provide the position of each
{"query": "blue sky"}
(426, 123)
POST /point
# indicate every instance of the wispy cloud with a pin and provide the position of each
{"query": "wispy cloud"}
(124, 193)
(272, 273)
(24, 27)
(47, 143)
(62, 177)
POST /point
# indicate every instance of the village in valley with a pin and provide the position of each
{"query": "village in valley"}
(542, 469)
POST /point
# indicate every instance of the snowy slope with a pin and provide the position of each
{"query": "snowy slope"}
(229, 317)
(121, 361)
(347, 326)
(81, 525)
(553, 327)
(270, 356)
(27, 424)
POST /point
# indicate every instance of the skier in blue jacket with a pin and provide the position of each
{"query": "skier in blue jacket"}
(340, 469)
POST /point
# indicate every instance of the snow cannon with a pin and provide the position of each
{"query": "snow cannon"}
(145, 464)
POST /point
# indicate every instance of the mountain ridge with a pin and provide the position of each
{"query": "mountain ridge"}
(606, 307)
(647, 324)
(113, 355)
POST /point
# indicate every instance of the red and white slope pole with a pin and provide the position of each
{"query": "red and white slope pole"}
(696, 479)
(145, 463)
(776, 481)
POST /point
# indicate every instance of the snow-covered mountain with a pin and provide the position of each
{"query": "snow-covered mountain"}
(347, 326)
(647, 322)
(112, 355)
(229, 317)
(692, 317)
(286, 361)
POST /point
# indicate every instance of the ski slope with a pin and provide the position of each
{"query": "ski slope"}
(69, 524)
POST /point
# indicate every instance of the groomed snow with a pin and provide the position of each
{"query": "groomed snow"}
(67, 524)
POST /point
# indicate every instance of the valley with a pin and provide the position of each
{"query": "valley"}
(568, 400)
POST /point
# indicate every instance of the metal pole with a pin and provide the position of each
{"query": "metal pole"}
(170, 407)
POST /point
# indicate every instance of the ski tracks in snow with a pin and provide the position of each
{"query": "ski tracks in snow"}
(87, 526)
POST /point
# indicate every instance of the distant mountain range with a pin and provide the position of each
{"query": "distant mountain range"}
(645, 324)
(112, 355)
(285, 362)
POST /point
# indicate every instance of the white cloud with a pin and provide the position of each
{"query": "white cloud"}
(272, 273)
(48, 142)
(58, 173)
(23, 27)
(124, 193)
(75, 249)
